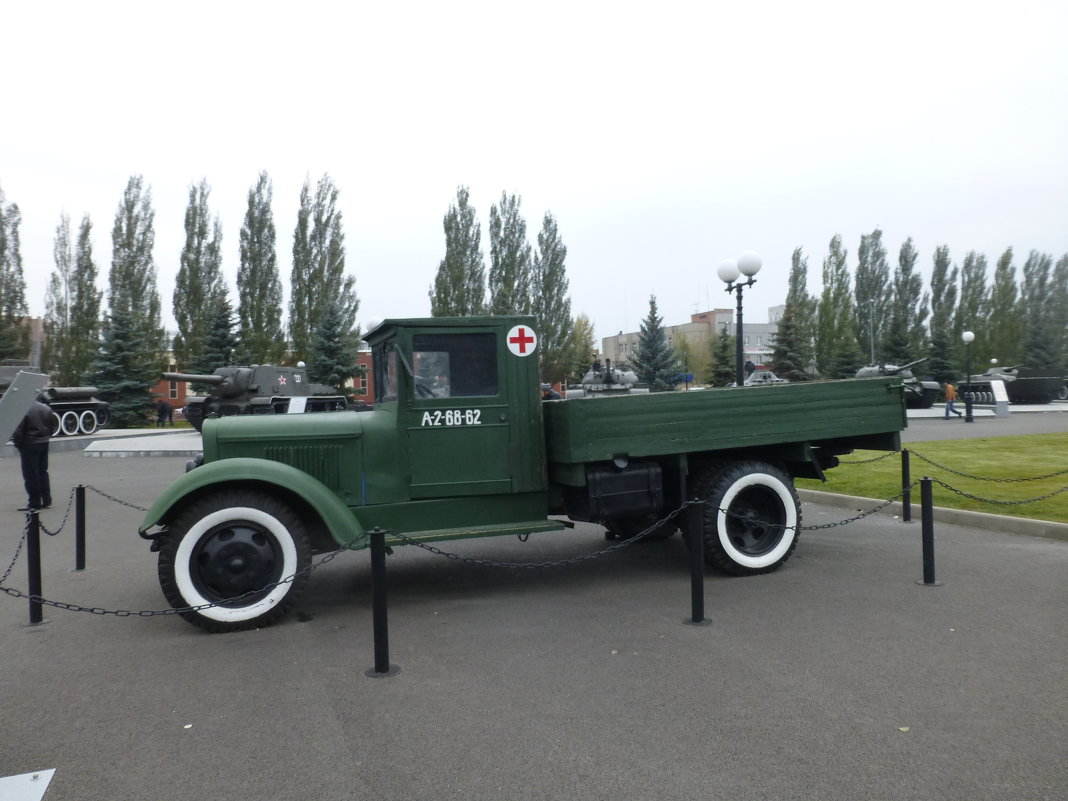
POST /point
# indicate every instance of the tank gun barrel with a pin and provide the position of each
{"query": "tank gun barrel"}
(215, 380)
(904, 367)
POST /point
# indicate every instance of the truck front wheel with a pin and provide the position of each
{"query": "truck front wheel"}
(236, 550)
(751, 517)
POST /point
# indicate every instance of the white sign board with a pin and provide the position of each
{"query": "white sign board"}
(26, 787)
(1000, 395)
(17, 400)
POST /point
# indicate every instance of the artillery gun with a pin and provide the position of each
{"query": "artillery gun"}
(918, 394)
(75, 410)
(1022, 384)
(259, 389)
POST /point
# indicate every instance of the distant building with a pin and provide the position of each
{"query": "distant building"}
(757, 338)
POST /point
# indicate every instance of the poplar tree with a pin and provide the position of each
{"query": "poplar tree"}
(1059, 309)
(318, 278)
(972, 310)
(460, 285)
(943, 307)
(1042, 332)
(871, 291)
(199, 286)
(72, 308)
(837, 353)
(655, 362)
(903, 339)
(580, 348)
(510, 265)
(132, 282)
(801, 307)
(550, 302)
(14, 335)
(1004, 324)
(259, 289)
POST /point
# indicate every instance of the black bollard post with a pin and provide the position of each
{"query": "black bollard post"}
(927, 534)
(696, 540)
(906, 492)
(79, 527)
(382, 668)
(33, 566)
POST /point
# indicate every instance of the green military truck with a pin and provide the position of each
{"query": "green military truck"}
(460, 445)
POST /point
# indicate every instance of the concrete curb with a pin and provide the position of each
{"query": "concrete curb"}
(959, 517)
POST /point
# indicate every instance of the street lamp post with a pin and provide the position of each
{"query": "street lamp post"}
(747, 264)
(968, 338)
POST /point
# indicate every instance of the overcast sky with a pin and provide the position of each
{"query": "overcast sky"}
(664, 137)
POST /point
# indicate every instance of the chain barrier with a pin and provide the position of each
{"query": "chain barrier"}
(968, 495)
(15, 558)
(886, 455)
(119, 501)
(982, 478)
(862, 515)
(66, 517)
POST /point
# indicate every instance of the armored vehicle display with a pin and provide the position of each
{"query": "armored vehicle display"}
(601, 380)
(918, 394)
(479, 454)
(1022, 384)
(262, 389)
(75, 410)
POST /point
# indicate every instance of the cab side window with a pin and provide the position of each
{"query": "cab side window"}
(385, 368)
(454, 365)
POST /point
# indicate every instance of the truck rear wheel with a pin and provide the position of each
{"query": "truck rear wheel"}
(750, 523)
(237, 550)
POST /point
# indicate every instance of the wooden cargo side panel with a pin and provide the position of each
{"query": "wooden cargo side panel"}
(599, 429)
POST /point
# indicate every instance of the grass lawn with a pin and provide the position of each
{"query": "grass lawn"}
(1001, 458)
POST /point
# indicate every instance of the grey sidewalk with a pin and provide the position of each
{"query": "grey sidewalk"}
(837, 678)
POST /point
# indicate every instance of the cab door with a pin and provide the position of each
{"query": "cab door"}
(459, 414)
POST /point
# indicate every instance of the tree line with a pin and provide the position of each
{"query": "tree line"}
(875, 315)
(521, 280)
(115, 339)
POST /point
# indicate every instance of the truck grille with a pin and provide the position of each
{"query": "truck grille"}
(321, 461)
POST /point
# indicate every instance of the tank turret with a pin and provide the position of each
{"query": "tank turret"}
(259, 389)
(918, 394)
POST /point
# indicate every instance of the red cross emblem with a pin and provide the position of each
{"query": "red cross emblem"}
(522, 340)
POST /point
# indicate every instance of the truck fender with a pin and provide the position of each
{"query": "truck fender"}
(337, 517)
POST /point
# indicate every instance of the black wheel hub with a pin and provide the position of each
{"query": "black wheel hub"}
(236, 560)
(755, 521)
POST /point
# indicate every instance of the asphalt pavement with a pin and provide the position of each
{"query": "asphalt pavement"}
(836, 678)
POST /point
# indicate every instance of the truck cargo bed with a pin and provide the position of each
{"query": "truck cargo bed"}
(866, 413)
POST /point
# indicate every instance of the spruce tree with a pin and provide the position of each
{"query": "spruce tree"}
(655, 361)
(199, 285)
(220, 343)
(510, 264)
(333, 350)
(121, 374)
(943, 307)
(259, 289)
(721, 363)
(788, 357)
(550, 302)
(460, 285)
(132, 282)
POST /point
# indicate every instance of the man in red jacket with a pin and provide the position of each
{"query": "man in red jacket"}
(31, 439)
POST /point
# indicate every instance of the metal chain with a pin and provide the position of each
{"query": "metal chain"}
(554, 563)
(866, 461)
(66, 516)
(96, 610)
(983, 478)
(15, 558)
(119, 501)
(1000, 503)
(862, 515)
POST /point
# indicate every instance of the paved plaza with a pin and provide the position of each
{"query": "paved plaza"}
(836, 678)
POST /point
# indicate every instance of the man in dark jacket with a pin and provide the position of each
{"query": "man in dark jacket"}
(31, 438)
